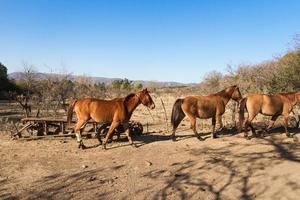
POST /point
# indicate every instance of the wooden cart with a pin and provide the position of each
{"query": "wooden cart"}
(41, 127)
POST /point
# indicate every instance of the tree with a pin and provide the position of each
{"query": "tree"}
(290, 70)
(3, 71)
(124, 84)
(127, 84)
(4, 82)
(212, 81)
(62, 90)
(116, 84)
(138, 86)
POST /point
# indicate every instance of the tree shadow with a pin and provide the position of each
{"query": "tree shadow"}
(4, 194)
(285, 150)
(235, 171)
(84, 184)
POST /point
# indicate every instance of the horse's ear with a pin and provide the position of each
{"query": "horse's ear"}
(146, 90)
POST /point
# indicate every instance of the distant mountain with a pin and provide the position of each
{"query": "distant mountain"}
(41, 76)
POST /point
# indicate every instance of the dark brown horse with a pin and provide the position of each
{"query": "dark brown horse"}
(116, 111)
(270, 105)
(203, 107)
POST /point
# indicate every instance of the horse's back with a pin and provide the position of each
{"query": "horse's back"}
(265, 104)
(98, 109)
(201, 106)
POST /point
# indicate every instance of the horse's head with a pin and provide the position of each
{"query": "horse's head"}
(145, 98)
(235, 93)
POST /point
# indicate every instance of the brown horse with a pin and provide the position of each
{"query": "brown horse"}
(203, 107)
(116, 111)
(270, 105)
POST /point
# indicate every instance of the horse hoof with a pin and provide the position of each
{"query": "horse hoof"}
(173, 137)
(288, 135)
(200, 138)
(109, 141)
(133, 145)
(100, 142)
(81, 145)
(214, 136)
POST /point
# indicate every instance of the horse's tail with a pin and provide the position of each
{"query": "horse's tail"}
(177, 113)
(72, 103)
(241, 114)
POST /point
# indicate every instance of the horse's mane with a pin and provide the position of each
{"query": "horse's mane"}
(223, 92)
(289, 95)
(128, 97)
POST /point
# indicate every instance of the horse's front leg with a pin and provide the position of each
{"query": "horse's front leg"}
(221, 126)
(193, 125)
(213, 122)
(272, 122)
(286, 120)
(110, 133)
(219, 120)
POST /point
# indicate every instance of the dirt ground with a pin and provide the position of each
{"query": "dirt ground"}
(229, 167)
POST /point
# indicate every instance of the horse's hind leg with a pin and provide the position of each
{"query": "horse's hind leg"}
(98, 135)
(78, 129)
(249, 123)
(127, 133)
(173, 134)
(193, 125)
(286, 119)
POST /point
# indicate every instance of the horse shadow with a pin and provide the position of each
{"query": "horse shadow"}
(143, 139)
(147, 138)
(150, 137)
(280, 130)
(261, 131)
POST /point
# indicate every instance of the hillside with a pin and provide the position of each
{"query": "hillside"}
(41, 76)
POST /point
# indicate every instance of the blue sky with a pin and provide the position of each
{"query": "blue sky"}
(166, 40)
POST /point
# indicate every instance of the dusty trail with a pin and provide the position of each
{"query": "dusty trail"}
(226, 168)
